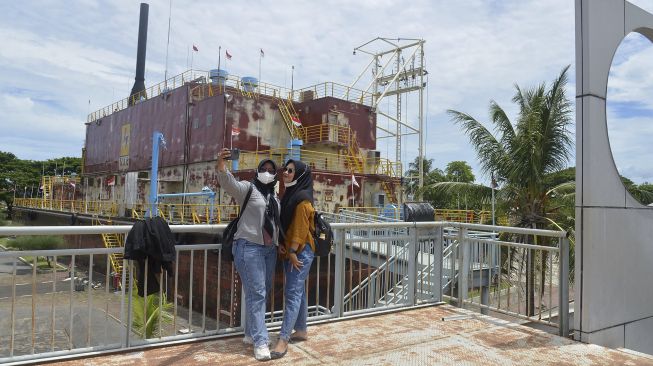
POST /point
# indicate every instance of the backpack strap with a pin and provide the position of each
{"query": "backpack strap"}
(249, 194)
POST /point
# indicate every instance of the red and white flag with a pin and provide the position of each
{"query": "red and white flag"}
(235, 131)
(227, 54)
(353, 181)
(296, 121)
(111, 181)
(195, 48)
(72, 184)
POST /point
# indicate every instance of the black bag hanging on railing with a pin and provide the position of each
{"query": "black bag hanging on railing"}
(230, 231)
(323, 236)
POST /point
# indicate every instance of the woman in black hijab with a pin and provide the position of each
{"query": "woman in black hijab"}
(298, 248)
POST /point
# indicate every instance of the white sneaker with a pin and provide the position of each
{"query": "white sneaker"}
(262, 353)
(248, 340)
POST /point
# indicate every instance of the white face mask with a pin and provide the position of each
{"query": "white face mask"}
(290, 184)
(265, 177)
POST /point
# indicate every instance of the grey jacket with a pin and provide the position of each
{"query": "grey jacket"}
(250, 225)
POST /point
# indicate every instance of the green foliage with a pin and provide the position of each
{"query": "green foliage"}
(44, 242)
(459, 171)
(146, 317)
(23, 174)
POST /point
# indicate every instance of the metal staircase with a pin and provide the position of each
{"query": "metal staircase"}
(354, 158)
(288, 112)
(46, 183)
(114, 241)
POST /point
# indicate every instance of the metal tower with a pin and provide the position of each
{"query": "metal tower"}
(397, 66)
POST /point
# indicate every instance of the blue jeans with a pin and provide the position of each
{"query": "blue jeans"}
(255, 264)
(296, 311)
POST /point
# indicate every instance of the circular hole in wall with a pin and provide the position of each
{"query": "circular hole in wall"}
(629, 112)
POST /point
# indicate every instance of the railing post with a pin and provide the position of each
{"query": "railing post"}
(413, 250)
(563, 288)
(436, 275)
(463, 266)
(339, 287)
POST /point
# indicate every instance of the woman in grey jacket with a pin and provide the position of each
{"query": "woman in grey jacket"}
(255, 245)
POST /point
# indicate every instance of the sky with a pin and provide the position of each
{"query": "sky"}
(61, 60)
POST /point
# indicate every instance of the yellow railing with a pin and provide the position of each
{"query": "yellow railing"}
(322, 161)
(463, 216)
(189, 213)
(327, 89)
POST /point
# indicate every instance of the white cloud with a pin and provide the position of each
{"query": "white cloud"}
(54, 57)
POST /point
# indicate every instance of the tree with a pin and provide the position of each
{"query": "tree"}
(412, 174)
(522, 154)
(459, 171)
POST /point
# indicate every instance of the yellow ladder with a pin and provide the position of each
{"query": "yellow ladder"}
(354, 158)
(389, 192)
(46, 183)
(114, 241)
(288, 111)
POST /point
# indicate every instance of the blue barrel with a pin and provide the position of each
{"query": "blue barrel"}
(218, 76)
(294, 149)
(249, 83)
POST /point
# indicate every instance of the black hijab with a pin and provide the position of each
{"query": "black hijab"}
(272, 219)
(301, 191)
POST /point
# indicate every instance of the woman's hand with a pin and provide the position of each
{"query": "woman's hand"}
(294, 261)
(224, 154)
(282, 249)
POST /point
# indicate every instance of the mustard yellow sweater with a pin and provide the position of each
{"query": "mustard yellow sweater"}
(301, 228)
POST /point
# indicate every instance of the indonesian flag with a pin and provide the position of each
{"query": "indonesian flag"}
(227, 54)
(296, 121)
(235, 131)
(72, 184)
(353, 181)
(195, 48)
(111, 181)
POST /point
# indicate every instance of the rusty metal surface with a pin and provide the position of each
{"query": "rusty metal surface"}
(104, 136)
(358, 116)
(412, 337)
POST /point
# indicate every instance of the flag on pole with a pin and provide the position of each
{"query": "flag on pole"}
(72, 184)
(296, 121)
(235, 131)
(111, 181)
(227, 54)
(353, 181)
(195, 48)
(262, 53)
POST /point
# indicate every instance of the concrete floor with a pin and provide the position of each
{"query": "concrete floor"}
(424, 336)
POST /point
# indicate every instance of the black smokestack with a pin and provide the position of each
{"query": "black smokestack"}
(139, 83)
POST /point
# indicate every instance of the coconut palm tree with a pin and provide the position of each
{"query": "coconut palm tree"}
(522, 154)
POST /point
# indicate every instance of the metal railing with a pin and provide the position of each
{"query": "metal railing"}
(327, 89)
(372, 267)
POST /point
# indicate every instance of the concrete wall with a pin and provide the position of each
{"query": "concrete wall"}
(614, 249)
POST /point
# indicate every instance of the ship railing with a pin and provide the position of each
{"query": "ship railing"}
(326, 89)
(73, 306)
(320, 160)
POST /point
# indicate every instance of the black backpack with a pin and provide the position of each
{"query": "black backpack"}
(230, 231)
(323, 236)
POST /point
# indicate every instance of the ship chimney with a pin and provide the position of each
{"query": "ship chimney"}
(139, 83)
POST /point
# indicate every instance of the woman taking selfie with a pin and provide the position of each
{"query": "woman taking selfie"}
(255, 244)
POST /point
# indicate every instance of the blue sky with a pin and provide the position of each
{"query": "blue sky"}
(61, 60)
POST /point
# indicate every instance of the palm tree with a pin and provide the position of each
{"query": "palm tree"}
(523, 154)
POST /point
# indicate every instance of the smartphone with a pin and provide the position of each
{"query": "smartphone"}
(235, 154)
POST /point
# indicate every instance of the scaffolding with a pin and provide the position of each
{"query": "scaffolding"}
(397, 66)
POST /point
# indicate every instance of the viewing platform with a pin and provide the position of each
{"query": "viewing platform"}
(432, 335)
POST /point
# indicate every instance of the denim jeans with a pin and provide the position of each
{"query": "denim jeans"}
(296, 311)
(255, 264)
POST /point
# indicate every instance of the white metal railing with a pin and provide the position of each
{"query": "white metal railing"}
(373, 267)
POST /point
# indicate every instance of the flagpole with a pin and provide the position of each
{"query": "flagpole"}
(165, 77)
(353, 198)
(191, 63)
